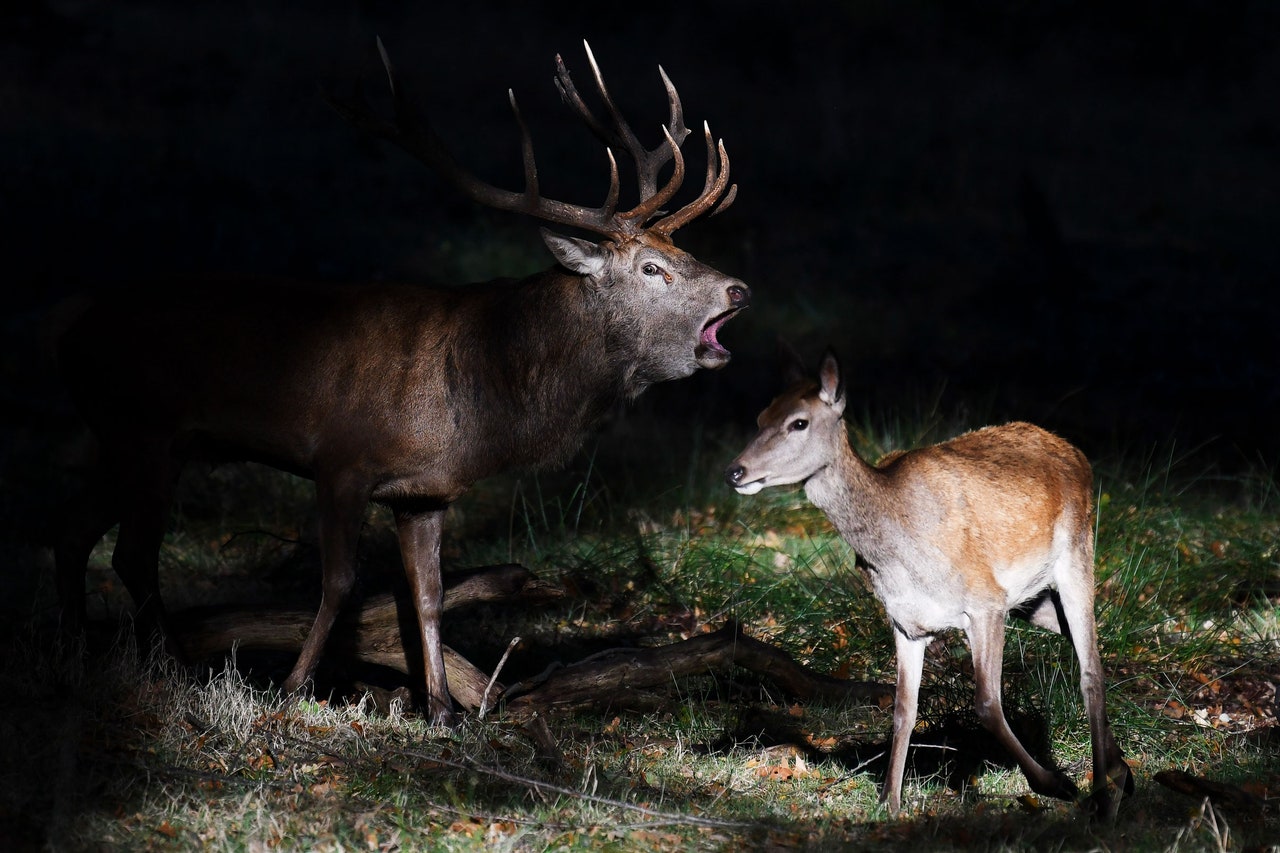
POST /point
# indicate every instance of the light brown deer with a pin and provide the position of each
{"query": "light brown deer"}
(956, 535)
(403, 395)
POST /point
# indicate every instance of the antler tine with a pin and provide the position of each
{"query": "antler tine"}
(610, 206)
(728, 199)
(675, 108)
(526, 151)
(386, 64)
(713, 187)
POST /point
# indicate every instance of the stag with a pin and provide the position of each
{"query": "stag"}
(955, 535)
(399, 394)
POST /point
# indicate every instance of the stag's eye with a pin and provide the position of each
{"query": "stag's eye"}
(652, 270)
(798, 424)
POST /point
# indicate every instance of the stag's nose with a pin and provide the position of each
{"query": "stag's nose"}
(733, 476)
(739, 295)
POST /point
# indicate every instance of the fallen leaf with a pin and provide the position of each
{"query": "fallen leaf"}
(776, 772)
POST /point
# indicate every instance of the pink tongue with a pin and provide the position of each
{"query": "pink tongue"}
(708, 337)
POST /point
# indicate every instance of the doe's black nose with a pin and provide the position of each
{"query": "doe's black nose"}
(739, 294)
(733, 476)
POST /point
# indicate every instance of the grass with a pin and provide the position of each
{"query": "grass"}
(131, 752)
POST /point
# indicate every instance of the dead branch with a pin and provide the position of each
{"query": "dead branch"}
(611, 678)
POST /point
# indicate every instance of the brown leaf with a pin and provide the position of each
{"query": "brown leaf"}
(465, 827)
(776, 772)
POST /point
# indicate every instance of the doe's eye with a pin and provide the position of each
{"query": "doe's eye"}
(651, 269)
(798, 424)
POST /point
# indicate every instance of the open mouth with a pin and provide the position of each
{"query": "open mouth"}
(710, 352)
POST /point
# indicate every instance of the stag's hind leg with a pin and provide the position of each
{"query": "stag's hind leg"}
(146, 474)
(1076, 594)
(82, 522)
(341, 507)
(986, 642)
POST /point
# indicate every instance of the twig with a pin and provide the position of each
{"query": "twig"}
(862, 765)
(493, 679)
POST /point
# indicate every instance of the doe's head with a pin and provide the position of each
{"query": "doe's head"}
(799, 432)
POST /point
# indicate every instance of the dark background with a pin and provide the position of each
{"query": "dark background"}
(1058, 211)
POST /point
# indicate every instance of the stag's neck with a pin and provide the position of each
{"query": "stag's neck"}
(557, 367)
(855, 497)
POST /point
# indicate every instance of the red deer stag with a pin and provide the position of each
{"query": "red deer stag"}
(957, 535)
(403, 395)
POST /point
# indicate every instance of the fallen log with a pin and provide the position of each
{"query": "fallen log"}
(1221, 793)
(610, 678)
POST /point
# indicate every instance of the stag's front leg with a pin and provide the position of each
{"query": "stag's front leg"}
(420, 549)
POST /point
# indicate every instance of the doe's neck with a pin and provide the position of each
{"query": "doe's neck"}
(851, 492)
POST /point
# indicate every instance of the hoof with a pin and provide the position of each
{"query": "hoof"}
(444, 717)
(1057, 785)
(1104, 802)
(1128, 784)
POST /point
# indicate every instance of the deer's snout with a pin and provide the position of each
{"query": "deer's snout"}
(734, 474)
(739, 295)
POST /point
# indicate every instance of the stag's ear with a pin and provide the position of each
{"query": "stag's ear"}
(574, 254)
(790, 363)
(831, 383)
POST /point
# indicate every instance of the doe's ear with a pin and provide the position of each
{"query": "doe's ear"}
(831, 382)
(575, 254)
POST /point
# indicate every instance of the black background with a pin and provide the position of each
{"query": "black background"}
(1064, 212)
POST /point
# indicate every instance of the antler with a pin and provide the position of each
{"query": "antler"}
(412, 132)
(415, 135)
(649, 163)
